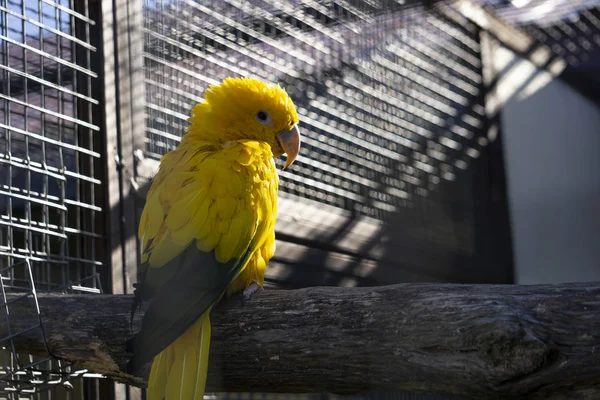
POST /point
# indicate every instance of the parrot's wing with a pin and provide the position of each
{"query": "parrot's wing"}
(196, 281)
(201, 223)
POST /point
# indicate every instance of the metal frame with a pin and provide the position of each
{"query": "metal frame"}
(122, 113)
(49, 135)
(124, 126)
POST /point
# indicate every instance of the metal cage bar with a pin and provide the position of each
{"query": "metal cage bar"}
(50, 192)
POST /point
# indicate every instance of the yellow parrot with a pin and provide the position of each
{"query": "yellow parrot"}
(207, 228)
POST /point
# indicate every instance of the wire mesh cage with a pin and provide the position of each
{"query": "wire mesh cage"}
(393, 182)
(384, 92)
(24, 374)
(48, 179)
(570, 29)
(13, 378)
(390, 97)
(49, 182)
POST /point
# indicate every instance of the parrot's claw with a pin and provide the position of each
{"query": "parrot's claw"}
(249, 291)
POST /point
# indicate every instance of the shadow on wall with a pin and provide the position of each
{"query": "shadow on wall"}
(455, 230)
(551, 142)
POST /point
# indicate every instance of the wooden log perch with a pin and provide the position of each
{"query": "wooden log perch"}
(477, 341)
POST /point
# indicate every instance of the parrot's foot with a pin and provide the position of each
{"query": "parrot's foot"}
(249, 291)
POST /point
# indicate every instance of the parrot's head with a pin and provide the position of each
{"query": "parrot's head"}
(247, 108)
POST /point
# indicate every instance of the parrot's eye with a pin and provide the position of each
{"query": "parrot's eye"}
(263, 118)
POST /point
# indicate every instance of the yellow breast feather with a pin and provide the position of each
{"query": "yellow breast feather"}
(218, 197)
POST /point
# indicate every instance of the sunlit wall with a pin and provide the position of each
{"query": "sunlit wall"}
(552, 153)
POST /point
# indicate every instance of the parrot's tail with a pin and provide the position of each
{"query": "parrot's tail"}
(179, 371)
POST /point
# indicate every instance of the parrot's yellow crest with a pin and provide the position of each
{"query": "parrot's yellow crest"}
(208, 227)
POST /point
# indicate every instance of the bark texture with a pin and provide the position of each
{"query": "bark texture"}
(478, 341)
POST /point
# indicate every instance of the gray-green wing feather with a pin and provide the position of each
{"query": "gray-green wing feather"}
(182, 291)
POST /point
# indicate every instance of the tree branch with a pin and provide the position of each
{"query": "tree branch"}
(478, 341)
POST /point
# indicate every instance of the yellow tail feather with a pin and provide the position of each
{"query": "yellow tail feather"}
(179, 371)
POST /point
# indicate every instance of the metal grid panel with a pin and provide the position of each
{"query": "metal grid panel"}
(48, 182)
(49, 186)
(570, 28)
(389, 97)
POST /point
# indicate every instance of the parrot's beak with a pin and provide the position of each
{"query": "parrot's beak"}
(290, 144)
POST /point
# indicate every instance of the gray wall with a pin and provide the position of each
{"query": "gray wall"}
(552, 154)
